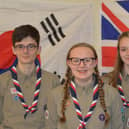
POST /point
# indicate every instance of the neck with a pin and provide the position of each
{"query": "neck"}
(83, 82)
(26, 68)
(126, 69)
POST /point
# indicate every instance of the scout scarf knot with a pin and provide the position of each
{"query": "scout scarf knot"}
(83, 121)
(121, 92)
(33, 107)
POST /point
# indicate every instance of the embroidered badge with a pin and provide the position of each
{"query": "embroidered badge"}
(123, 113)
(46, 113)
(15, 97)
(102, 117)
(13, 90)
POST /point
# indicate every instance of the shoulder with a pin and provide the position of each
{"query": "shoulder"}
(109, 89)
(49, 79)
(106, 78)
(5, 76)
(49, 75)
(4, 81)
(111, 93)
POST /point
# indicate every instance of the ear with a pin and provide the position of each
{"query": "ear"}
(68, 62)
(39, 50)
(13, 50)
(96, 61)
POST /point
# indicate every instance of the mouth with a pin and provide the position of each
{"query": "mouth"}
(82, 71)
(25, 57)
(127, 58)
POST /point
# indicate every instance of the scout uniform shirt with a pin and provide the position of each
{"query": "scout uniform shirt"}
(125, 85)
(85, 95)
(125, 111)
(11, 109)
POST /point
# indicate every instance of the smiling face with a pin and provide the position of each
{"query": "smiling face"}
(84, 69)
(124, 50)
(26, 54)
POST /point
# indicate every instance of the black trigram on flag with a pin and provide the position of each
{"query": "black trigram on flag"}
(53, 29)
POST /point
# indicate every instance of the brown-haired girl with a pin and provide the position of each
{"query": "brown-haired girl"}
(119, 77)
(84, 102)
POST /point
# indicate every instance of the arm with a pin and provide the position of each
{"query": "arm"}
(1, 104)
(115, 108)
(56, 81)
(116, 118)
(52, 110)
(1, 111)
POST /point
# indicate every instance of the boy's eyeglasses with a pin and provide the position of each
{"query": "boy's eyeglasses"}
(29, 47)
(77, 61)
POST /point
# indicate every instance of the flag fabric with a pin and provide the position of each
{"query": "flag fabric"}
(60, 24)
(6, 55)
(115, 20)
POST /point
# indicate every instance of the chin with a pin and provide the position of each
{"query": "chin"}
(127, 63)
(84, 77)
(26, 62)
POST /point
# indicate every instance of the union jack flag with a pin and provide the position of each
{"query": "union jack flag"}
(115, 20)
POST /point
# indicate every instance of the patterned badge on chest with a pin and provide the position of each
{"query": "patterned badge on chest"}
(13, 90)
(16, 98)
(123, 113)
(46, 113)
(101, 117)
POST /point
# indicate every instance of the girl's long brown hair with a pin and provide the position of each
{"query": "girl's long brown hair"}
(68, 80)
(119, 63)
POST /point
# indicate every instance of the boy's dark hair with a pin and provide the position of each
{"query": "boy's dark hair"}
(24, 31)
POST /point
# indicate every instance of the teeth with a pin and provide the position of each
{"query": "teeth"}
(82, 70)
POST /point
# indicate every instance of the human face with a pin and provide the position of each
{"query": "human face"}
(82, 71)
(26, 50)
(124, 50)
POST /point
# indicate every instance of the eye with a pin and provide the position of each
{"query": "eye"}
(31, 46)
(123, 49)
(20, 46)
(87, 59)
(76, 60)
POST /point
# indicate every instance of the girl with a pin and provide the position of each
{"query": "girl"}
(84, 102)
(119, 77)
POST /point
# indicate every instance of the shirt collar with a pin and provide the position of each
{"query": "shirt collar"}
(125, 75)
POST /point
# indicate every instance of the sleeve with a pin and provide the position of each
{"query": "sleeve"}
(52, 120)
(115, 109)
(1, 102)
(116, 118)
(50, 79)
(56, 81)
(1, 110)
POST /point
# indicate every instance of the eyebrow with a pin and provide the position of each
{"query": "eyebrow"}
(81, 58)
(124, 47)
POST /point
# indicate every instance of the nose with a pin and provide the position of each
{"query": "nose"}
(82, 63)
(128, 51)
(25, 49)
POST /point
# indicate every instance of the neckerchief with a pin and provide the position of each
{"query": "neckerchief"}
(83, 121)
(121, 92)
(32, 108)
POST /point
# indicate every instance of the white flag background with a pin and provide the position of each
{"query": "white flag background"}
(74, 19)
